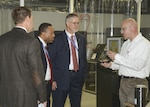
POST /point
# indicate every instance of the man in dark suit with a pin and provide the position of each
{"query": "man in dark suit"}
(68, 76)
(21, 72)
(46, 35)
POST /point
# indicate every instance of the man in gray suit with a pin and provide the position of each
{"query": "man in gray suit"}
(21, 71)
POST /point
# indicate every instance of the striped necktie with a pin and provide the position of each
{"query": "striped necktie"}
(74, 56)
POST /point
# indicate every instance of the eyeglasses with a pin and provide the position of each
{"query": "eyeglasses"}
(75, 23)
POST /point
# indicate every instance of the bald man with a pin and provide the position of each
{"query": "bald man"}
(132, 62)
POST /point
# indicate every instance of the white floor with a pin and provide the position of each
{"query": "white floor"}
(148, 105)
(88, 100)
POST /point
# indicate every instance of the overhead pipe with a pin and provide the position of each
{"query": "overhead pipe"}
(139, 13)
(21, 2)
(112, 19)
(71, 6)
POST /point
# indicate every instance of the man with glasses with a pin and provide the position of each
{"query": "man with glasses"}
(68, 54)
(132, 62)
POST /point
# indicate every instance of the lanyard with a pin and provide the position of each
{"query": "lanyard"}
(45, 50)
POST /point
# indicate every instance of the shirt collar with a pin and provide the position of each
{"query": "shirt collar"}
(137, 37)
(69, 34)
(43, 42)
(21, 28)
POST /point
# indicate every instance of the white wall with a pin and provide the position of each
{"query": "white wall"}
(145, 21)
(56, 19)
(5, 20)
(96, 29)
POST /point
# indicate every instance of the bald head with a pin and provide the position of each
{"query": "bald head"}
(129, 28)
(131, 23)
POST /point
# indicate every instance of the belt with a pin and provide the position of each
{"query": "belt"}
(73, 71)
(47, 81)
(126, 77)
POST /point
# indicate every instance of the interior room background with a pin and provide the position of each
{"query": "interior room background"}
(96, 15)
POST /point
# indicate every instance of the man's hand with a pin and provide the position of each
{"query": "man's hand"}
(45, 104)
(54, 85)
(111, 55)
(106, 65)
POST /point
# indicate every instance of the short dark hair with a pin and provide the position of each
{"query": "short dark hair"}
(43, 27)
(70, 16)
(20, 13)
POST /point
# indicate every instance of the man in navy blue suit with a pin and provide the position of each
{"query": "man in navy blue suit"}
(46, 36)
(68, 79)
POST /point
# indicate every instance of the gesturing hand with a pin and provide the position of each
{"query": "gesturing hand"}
(111, 55)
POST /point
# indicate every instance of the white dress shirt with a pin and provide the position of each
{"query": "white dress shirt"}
(76, 48)
(47, 76)
(134, 58)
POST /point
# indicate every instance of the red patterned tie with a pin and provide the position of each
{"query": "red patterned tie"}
(74, 56)
(50, 64)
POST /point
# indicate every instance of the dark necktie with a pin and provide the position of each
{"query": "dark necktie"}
(50, 64)
(74, 56)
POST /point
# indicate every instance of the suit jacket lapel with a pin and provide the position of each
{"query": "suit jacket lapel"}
(65, 38)
(78, 41)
